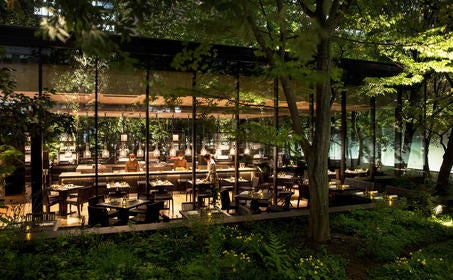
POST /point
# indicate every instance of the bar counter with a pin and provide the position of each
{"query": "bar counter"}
(175, 176)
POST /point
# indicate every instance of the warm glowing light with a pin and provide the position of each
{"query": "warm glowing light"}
(233, 151)
(156, 152)
(203, 151)
(87, 153)
(172, 152)
(68, 154)
(105, 152)
(124, 137)
(438, 209)
(188, 151)
(140, 152)
(123, 152)
(246, 151)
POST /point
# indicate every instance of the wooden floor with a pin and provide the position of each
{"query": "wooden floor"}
(19, 205)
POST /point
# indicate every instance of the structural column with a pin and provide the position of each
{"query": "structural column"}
(344, 131)
(36, 153)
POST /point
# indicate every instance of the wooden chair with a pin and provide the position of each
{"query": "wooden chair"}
(283, 203)
(83, 194)
(182, 183)
(225, 200)
(204, 193)
(152, 214)
(98, 216)
(163, 195)
(142, 190)
(95, 200)
(49, 199)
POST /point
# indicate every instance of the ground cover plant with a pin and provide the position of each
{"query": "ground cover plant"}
(382, 243)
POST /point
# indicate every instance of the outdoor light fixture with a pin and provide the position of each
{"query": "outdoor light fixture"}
(123, 137)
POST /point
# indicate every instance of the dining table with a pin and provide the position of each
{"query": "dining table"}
(255, 199)
(204, 213)
(200, 184)
(118, 189)
(356, 172)
(123, 205)
(63, 191)
(228, 183)
(161, 185)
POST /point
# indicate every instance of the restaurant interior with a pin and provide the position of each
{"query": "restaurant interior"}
(159, 112)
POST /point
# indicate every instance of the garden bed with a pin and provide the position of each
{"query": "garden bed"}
(381, 243)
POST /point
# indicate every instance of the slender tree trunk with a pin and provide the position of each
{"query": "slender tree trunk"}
(319, 228)
(426, 171)
(398, 157)
(445, 168)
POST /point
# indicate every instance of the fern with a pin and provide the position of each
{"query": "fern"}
(274, 256)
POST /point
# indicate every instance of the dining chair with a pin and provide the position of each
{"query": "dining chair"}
(83, 194)
(142, 190)
(49, 199)
(203, 193)
(283, 202)
(183, 184)
(152, 214)
(98, 216)
(164, 195)
(304, 193)
(225, 200)
(95, 200)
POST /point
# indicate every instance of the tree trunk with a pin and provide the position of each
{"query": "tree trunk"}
(426, 171)
(319, 228)
(445, 168)
(398, 156)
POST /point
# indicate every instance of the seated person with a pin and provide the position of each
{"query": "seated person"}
(132, 164)
(180, 163)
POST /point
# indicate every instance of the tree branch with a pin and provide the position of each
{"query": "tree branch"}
(305, 8)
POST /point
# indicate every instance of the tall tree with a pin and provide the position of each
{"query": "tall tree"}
(295, 37)
(418, 36)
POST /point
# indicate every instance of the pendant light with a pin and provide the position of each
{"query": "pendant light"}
(246, 150)
(188, 151)
(156, 152)
(233, 150)
(140, 152)
(105, 152)
(172, 151)
(203, 150)
(87, 153)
